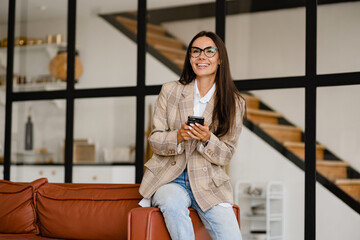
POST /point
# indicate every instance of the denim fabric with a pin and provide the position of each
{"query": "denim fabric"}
(176, 197)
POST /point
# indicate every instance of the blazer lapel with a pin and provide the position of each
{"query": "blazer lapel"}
(186, 103)
(208, 113)
(186, 108)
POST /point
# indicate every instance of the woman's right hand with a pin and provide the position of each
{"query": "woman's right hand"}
(183, 133)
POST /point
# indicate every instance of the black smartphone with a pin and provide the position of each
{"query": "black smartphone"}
(195, 119)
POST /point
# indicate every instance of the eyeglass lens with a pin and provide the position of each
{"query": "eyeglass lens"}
(208, 51)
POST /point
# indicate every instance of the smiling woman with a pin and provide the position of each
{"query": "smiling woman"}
(193, 152)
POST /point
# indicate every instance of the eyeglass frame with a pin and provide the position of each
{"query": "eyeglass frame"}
(203, 50)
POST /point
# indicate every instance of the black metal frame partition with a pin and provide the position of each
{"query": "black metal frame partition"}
(309, 82)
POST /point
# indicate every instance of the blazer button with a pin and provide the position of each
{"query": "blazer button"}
(204, 169)
(173, 163)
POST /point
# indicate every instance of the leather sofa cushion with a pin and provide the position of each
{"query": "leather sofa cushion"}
(148, 223)
(81, 211)
(24, 237)
(17, 211)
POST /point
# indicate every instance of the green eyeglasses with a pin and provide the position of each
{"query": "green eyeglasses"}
(208, 51)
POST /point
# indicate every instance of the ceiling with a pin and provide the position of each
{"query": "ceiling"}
(39, 10)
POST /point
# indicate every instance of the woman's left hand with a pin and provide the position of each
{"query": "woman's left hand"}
(200, 132)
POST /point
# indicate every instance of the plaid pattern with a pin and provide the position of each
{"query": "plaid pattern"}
(205, 165)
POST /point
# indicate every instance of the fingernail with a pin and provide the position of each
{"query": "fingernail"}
(188, 132)
(196, 124)
(191, 124)
(190, 127)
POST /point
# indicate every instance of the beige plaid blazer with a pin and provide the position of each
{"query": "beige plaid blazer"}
(205, 165)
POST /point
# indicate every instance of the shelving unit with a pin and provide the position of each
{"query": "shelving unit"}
(262, 209)
(32, 62)
(51, 49)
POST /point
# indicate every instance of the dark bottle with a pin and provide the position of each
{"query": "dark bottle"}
(29, 134)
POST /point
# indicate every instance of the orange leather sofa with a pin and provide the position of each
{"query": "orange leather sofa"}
(42, 210)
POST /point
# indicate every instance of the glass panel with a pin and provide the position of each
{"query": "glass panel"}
(338, 130)
(40, 34)
(105, 130)
(4, 5)
(265, 41)
(338, 38)
(169, 33)
(38, 130)
(108, 55)
(269, 188)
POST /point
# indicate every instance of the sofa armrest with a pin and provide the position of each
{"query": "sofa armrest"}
(148, 224)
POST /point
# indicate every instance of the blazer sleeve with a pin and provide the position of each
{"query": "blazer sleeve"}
(219, 151)
(162, 139)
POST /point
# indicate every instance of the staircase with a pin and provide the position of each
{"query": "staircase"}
(336, 175)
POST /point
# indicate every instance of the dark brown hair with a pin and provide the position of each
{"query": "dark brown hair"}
(227, 95)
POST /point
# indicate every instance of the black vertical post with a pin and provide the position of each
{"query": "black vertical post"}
(310, 121)
(9, 88)
(71, 31)
(140, 98)
(220, 15)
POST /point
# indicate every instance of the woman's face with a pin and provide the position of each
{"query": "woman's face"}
(203, 65)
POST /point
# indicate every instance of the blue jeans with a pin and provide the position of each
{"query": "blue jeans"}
(176, 197)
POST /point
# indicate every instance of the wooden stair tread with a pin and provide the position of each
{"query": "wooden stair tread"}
(263, 112)
(165, 38)
(154, 39)
(301, 144)
(347, 181)
(178, 61)
(149, 26)
(280, 127)
(169, 49)
(251, 101)
(250, 97)
(329, 163)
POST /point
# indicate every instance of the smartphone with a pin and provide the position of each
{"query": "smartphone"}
(195, 119)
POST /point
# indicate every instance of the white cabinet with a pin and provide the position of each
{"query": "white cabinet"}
(81, 174)
(262, 210)
(104, 174)
(2, 171)
(28, 173)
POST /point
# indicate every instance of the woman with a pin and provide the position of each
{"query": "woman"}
(187, 168)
